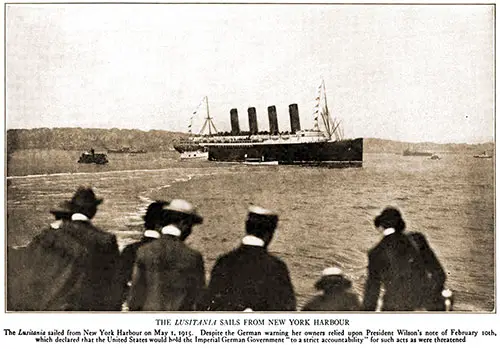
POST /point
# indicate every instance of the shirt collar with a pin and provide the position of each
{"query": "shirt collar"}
(251, 240)
(56, 224)
(389, 231)
(171, 230)
(79, 217)
(152, 234)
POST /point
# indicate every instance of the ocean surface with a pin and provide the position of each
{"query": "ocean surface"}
(326, 215)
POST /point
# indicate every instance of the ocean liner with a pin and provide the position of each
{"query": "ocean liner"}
(323, 145)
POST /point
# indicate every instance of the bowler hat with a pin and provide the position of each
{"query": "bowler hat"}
(390, 217)
(83, 197)
(184, 207)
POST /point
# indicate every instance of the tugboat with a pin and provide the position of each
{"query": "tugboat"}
(484, 155)
(91, 157)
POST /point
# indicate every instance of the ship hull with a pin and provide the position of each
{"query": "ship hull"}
(416, 153)
(345, 153)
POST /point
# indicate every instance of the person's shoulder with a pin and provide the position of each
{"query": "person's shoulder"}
(147, 247)
(46, 238)
(131, 248)
(228, 257)
(376, 250)
(314, 304)
(418, 239)
(277, 261)
(193, 253)
(416, 235)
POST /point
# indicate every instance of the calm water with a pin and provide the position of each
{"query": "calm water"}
(325, 214)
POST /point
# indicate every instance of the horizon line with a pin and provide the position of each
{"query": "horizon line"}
(185, 132)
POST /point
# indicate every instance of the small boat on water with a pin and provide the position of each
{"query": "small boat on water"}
(484, 155)
(199, 154)
(91, 157)
(259, 161)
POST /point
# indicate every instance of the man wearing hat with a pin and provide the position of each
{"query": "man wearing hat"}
(249, 277)
(152, 224)
(396, 264)
(74, 267)
(168, 275)
(337, 294)
(19, 263)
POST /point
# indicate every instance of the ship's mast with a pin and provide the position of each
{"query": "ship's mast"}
(326, 114)
(332, 127)
(208, 121)
(208, 117)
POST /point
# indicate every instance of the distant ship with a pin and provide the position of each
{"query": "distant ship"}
(484, 155)
(127, 150)
(323, 145)
(91, 157)
(408, 152)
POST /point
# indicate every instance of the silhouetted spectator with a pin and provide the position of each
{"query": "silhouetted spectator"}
(168, 275)
(249, 277)
(18, 265)
(152, 224)
(399, 264)
(337, 294)
(74, 266)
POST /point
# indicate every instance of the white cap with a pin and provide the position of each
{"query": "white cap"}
(447, 293)
(179, 205)
(183, 206)
(261, 211)
(332, 271)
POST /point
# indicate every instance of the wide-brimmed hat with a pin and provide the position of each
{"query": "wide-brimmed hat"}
(83, 197)
(184, 207)
(390, 217)
(332, 278)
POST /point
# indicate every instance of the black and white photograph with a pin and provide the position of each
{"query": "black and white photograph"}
(250, 158)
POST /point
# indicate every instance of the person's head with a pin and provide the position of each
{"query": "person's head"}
(84, 201)
(181, 214)
(154, 215)
(63, 212)
(332, 279)
(61, 215)
(390, 218)
(261, 223)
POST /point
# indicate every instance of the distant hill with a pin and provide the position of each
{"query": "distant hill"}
(156, 140)
(376, 145)
(86, 138)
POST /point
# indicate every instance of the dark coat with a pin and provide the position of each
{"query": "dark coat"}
(72, 268)
(341, 301)
(395, 264)
(127, 263)
(250, 277)
(17, 265)
(167, 276)
(435, 278)
(337, 296)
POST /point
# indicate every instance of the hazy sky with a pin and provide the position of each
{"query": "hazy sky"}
(404, 72)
